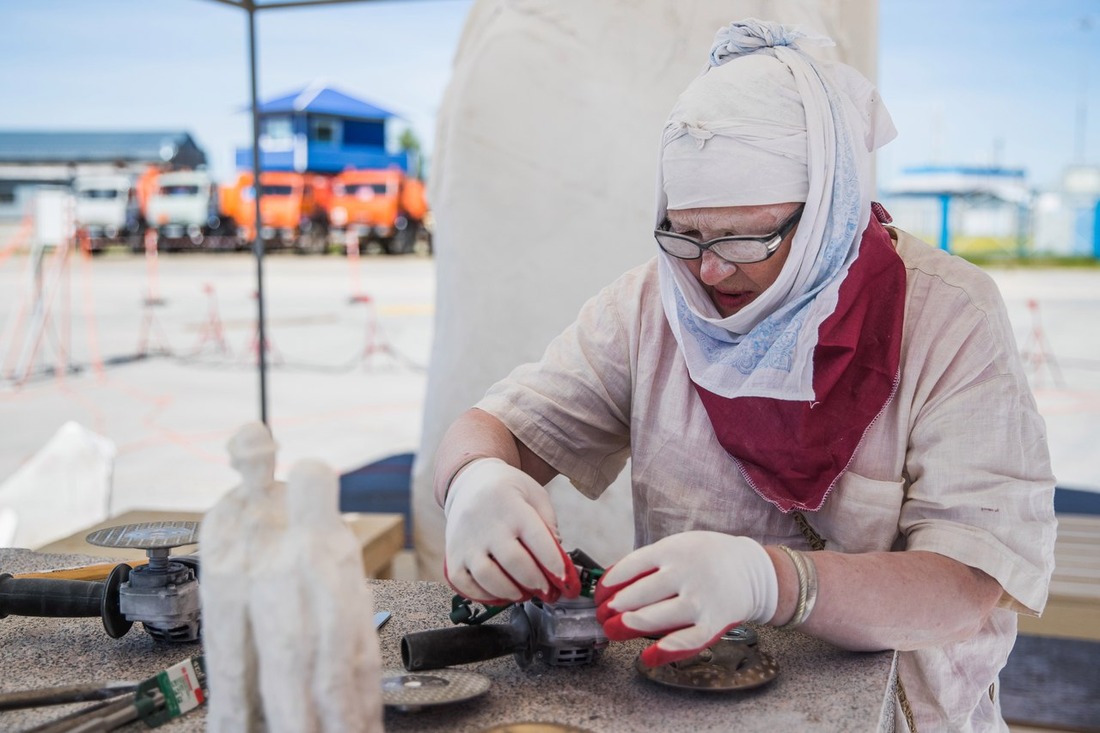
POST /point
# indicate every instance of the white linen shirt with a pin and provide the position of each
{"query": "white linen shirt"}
(956, 464)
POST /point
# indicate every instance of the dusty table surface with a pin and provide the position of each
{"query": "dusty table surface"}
(818, 687)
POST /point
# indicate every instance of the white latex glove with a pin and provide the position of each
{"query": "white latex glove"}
(692, 586)
(502, 537)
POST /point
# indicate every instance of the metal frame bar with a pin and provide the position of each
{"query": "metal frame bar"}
(257, 238)
(252, 7)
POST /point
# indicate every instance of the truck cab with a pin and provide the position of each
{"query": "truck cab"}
(106, 209)
(183, 208)
(291, 208)
(383, 207)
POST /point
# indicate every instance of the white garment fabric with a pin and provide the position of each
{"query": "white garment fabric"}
(542, 192)
(957, 464)
(767, 128)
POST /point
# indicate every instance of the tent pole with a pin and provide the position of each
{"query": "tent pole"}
(257, 239)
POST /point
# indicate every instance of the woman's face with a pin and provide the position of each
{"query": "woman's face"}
(733, 286)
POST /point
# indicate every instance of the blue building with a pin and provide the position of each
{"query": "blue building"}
(321, 130)
(1067, 220)
(965, 209)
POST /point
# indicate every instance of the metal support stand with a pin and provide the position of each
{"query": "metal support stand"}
(213, 331)
(1037, 352)
(376, 341)
(34, 316)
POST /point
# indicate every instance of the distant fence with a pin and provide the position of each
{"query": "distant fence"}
(1049, 226)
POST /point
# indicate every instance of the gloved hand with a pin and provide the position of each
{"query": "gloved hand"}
(692, 586)
(502, 539)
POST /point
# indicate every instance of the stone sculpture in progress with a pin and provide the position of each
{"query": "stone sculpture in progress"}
(288, 616)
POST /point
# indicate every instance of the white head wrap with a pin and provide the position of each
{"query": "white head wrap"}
(767, 124)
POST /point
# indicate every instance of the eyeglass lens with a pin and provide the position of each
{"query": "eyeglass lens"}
(734, 249)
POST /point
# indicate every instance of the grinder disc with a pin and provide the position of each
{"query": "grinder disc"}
(725, 666)
(147, 535)
(413, 690)
(535, 728)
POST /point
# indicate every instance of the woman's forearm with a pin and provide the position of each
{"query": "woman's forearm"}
(888, 600)
(477, 434)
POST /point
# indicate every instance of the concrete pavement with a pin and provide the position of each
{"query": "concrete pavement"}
(335, 392)
(345, 382)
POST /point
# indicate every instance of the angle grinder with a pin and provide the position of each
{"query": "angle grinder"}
(162, 595)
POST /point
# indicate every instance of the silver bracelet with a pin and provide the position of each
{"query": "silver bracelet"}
(807, 587)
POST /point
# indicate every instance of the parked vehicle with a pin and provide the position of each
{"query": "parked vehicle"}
(293, 212)
(185, 211)
(378, 206)
(106, 209)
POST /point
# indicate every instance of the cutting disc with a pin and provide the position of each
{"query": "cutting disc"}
(534, 728)
(147, 535)
(411, 690)
(728, 665)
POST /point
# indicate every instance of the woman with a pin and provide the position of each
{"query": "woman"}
(829, 427)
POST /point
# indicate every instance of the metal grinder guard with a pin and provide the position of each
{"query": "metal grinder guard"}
(561, 634)
(163, 595)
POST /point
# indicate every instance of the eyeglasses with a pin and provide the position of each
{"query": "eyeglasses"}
(739, 249)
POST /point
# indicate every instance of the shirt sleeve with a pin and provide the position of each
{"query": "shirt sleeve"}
(980, 487)
(572, 408)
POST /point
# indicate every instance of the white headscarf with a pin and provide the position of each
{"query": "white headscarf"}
(767, 124)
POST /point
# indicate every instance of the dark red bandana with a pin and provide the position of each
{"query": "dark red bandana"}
(792, 453)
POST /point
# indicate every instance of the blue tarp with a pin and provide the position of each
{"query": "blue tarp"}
(381, 487)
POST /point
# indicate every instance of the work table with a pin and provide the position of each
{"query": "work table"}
(818, 687)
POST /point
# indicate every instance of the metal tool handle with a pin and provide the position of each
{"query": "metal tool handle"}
(64, 694)
(66, 599)
(440, 648)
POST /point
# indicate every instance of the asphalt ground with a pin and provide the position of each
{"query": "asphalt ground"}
(349, 345)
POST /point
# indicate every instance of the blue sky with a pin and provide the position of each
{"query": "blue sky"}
(990, 82)
(973, 82)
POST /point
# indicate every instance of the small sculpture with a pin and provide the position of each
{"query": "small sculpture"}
(325, 671)
(237, 531)
(288, 615)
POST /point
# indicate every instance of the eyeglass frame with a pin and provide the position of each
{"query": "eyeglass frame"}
(770, 242)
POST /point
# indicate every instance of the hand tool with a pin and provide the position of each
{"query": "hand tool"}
(162, 594)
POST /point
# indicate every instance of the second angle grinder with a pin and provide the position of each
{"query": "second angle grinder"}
(162, 595)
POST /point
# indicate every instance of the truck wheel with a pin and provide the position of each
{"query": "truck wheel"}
(423, 244)
(314, 241)
(403, 241)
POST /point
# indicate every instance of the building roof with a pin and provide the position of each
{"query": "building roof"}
(67, 146)
(1007, 184)
(324, 100)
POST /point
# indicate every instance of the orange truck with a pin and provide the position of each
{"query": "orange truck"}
(293, 209)
(385, 207)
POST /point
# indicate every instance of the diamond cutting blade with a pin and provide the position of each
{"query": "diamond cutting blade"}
(535, 728)
(411, 690)
(147, 535)
(725, 666)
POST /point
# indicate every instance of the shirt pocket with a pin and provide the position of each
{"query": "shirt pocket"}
(860, 514)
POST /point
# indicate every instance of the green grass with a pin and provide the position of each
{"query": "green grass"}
(1031, 262)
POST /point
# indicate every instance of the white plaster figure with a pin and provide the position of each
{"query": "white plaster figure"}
(320, 663)
(235, 533)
